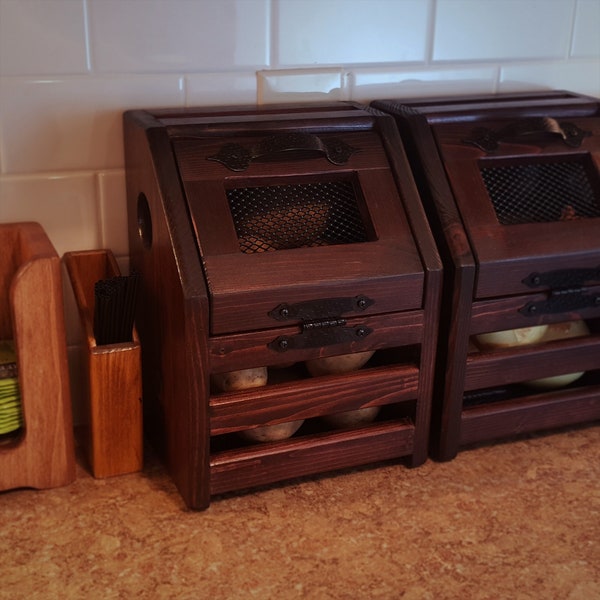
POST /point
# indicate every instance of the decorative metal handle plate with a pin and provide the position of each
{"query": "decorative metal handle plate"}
(238, 158)
(487, 139)
(318, 309)
(562, 278)
(316, 337)
(559, 302)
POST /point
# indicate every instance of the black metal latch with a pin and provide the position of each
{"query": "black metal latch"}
(567, 291)
(317, 332)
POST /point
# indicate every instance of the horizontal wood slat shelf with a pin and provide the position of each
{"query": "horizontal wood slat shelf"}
(278, 461)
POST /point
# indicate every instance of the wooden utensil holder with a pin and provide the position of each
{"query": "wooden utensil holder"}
(41, 454)
(112, 435)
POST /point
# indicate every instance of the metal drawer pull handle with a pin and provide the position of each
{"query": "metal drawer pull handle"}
(238, 158)
(487, 139)
(562, 278)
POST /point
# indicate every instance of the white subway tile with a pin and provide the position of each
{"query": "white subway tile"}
(576, 76)
(372, 84)
(42, 37)
(586, 33)
(220, 89)
(338, 32)
(180, 35)
(64, 204)
(113, 212)
(502, 29)
(74, 123)
(301, 85)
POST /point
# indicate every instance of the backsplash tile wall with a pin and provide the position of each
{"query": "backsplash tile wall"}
(69, 68)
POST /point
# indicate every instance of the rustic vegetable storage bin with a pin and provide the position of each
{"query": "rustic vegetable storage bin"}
(267, 238)
(511, 186)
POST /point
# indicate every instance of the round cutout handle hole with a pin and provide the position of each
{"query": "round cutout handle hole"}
(144, 221)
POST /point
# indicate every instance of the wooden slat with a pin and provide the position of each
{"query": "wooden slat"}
(525, 363)
(533, 413)
(312, 397)
(277, 461)
(240, 351)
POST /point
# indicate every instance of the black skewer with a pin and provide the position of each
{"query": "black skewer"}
(114, 309)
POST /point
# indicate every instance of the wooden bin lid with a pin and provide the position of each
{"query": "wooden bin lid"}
(523, 170)
(295, 222)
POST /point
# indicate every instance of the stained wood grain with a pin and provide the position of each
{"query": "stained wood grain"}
(42, 456)
(113, 436)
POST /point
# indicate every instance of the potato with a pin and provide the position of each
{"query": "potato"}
(240, 380)
(272, 433)
(510, 337)
(351, 418)
(560, 331)
(343, 363)
(250, 244)
(300, 224)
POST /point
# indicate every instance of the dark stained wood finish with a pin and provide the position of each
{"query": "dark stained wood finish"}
(506, 255)
(312, 397)
(204, 305)
(271, 462)
(485, 263)
(526, 415)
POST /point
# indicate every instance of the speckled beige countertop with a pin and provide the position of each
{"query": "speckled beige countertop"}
(515, 520)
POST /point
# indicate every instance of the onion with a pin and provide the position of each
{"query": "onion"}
(511, 337)
(272, 433)
(560, 331)
(240, 380)
(343, 363)
(351, 418)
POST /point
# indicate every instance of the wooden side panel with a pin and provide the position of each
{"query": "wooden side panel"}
(173, 309)
(116, 445)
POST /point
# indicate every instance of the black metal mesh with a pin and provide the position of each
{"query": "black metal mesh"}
(281, 217)
(541, 192)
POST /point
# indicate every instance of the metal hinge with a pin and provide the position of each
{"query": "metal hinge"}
(323, 331)
(567, 291)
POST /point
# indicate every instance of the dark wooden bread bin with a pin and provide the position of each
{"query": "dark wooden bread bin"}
(268, 237)
(511, 187)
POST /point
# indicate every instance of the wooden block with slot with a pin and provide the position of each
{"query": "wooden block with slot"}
(113, 434)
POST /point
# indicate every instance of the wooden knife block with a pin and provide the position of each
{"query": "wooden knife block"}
(41, 454)
(112, 436)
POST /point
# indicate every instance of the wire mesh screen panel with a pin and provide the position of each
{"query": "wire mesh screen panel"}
(540, 192)
(281, 217)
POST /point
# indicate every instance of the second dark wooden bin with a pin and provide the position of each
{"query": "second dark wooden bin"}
(270, 238)
(512, 189)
